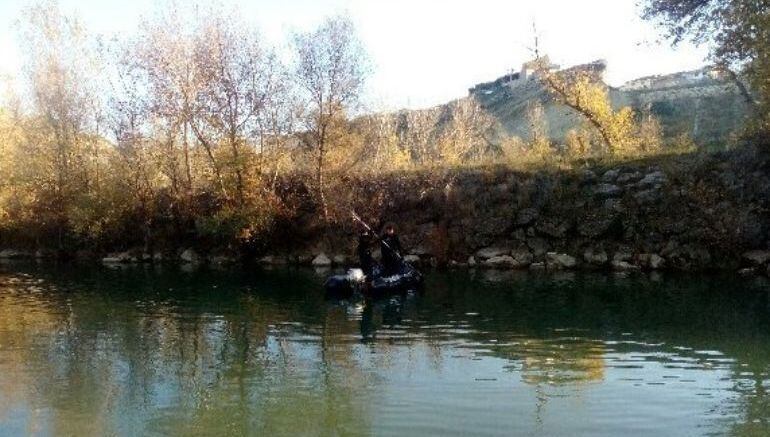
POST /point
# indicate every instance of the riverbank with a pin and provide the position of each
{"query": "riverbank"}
(683, 212)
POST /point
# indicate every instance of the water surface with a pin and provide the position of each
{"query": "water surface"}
(150, 351)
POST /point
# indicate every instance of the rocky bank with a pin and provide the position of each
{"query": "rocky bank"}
(690, 212)
(687, 212)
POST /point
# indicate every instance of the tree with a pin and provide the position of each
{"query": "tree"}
(138, 169)
(463, 132)
(237, 79)
(160, 62)
(61, 68)
(216, 93)
(581, 89)
(738, 32)
(539, 142)
(330, 69)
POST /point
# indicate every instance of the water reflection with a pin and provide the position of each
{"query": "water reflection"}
(146, 351)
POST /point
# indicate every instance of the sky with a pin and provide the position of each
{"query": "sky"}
(425, 52)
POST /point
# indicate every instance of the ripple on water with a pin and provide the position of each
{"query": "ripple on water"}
(588, 360)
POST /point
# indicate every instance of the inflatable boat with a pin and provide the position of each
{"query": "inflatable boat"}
(378, 285)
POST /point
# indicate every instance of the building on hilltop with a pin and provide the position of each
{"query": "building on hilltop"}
(514, 79)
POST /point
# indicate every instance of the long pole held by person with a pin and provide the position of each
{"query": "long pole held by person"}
(369, 228)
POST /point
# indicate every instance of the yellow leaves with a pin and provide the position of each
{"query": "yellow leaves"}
(584, 92)
(579, 143)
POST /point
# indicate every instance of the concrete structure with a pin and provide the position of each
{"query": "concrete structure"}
(514, 79)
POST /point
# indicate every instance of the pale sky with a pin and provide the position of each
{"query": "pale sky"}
(426, 52)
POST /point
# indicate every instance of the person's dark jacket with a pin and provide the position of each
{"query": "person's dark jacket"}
(365, 254)
(391, 250)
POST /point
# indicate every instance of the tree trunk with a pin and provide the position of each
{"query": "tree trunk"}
(237, 165)
(320, 180)
(740, 85)
(188, 171)
(212, 160)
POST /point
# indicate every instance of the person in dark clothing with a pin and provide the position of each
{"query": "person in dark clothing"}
(391, 250)
(364, 250)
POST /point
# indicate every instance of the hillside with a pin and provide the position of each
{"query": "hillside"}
(703, 103)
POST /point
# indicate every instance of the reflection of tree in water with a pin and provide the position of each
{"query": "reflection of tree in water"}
(559, 362)
(20, 329)
(708, 314)
(121, 352)
(553, 365)
(116, 357)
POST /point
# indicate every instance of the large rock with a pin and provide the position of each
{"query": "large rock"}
(225, 260)
(628, 177)
(522, 257)
(491, 252)
(538, 245)
(267, 260)
(595, 257)
(623, 266)
(623, 255)
(502, 261)
(560, 261)
(422, 250)
(687, 257)
(340, 260)
(757, 257)
(190, 256)
(13, 254)
(118, 258)
(321, 260)
(699, 256)
(304, 259)
(610, 175)
(412, 258)
(654, 179)
(45, 254)
(274, 260)
(607, 191)
(656, 262)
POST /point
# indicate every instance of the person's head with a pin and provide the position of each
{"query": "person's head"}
(390, 229)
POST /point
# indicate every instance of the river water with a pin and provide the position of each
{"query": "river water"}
(150, 351)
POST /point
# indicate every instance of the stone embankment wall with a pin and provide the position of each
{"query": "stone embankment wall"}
(695, 212)
(699, 212)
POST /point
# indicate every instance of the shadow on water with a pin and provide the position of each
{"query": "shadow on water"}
(146, 350)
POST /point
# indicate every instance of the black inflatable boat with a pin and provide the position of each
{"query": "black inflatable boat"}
(354, 281)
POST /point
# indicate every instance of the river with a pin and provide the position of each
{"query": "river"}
(158, 351)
